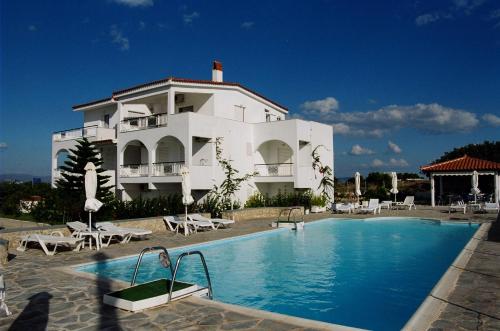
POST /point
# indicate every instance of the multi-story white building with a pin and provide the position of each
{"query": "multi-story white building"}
(146, 133)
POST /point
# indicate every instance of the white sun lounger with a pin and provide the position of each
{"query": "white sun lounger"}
(217, 222)
(56, 239)
(491, 206)
(136, 232)
(79, 229)
(460, 205)
(373, 206)
(342, 207)
(408, 202)
(175, 224)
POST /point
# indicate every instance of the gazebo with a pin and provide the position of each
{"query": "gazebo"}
(463, 166)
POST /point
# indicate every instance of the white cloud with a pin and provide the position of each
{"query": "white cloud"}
(358, 150)
(247, 25)
(398, 163)
(32, 28)
(427, 18)
(3, 145)
(491, 119)
(118, 38)
(322, 106)
(467, 6)
(394, 148)
(134, 3)
(142, 25)
(428, 118)
(188, 18)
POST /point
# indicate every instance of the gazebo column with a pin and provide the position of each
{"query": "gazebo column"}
(497, 184)
(433, 192)
(441, 188)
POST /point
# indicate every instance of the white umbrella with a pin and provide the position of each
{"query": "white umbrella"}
(475, 184)
(394, 182)
(187, 199)
(357, 184)
(91, 204)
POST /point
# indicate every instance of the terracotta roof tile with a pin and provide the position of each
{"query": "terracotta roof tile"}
(464, 163)
(91, 103)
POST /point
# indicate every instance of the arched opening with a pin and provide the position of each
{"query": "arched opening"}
(274, 158)
(60, 158)
(169, 157)
(135, 160)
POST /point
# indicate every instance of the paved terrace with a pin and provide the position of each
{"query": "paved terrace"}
(41, 297)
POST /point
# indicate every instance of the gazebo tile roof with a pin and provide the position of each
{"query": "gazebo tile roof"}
(464, 163)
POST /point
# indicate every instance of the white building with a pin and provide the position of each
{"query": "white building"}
(146, 133)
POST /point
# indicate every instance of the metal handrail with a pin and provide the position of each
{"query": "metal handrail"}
(289, 210)
(173, 271)
(273, 163)
(145, 250)
(82, 127)
(210, 293)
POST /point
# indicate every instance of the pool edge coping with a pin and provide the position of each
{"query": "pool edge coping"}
(445, 283)
(434, 303)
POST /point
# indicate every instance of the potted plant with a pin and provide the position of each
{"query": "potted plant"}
(318, 204)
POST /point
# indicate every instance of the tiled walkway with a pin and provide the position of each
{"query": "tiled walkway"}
(40, 296)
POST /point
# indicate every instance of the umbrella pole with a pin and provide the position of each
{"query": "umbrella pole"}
(90, 221)
(185, 220)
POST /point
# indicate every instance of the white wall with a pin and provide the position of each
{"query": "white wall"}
(96, 116)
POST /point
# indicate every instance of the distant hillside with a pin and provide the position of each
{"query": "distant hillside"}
(22, 178)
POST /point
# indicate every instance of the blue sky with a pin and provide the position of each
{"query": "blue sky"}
(401, 82)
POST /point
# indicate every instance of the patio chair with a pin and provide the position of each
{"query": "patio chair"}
(373, 206)
(491, 206)
(408, 202)
(459, 205)
(56, 239)
(217, 222)
(342, 208)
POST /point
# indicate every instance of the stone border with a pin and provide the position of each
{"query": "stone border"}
(264, 314)
(426, 313)
(430, 309)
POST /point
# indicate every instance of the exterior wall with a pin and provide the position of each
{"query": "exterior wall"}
(219, 111)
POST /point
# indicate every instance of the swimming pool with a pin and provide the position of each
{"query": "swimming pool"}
(363, 273)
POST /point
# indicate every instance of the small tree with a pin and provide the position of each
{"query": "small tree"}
(72, 183)
(224, 193)
(326, 184)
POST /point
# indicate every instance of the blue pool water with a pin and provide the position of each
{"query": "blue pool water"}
(371, 274)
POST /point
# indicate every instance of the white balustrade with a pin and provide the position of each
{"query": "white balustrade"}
(274, 169)
(167, 168)
(134, 170)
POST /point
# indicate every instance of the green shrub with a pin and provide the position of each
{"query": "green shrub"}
(318, 200)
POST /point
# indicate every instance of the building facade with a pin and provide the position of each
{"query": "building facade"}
(146, 133)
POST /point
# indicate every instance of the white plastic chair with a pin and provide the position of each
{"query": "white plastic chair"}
(56, 239)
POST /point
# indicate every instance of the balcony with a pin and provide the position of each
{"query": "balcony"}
(134, 170)
(144, 122)
(57, 174)
(167, 168)
(274, 169)
(93, 133)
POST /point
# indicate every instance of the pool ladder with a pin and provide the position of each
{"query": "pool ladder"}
(290, 210)
(173, 270)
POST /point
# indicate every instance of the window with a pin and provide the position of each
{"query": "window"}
(186, 109)
(268, 117)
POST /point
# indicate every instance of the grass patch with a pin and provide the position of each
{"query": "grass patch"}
(148, 290)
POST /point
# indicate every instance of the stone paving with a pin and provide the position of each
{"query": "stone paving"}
(42, 297)
(474, 304)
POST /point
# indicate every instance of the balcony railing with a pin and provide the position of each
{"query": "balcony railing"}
(274, 169)
(93, 131)
(167, 168)
(134, 170)
(145, 122)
